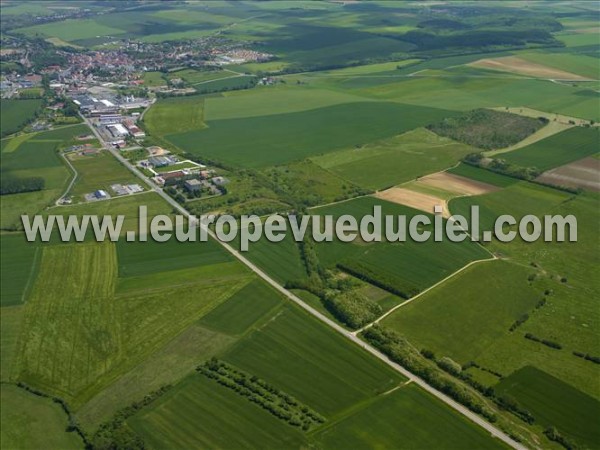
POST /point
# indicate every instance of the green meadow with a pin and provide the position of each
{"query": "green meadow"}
(16, 113)
(395, 160)
(482, 175)
(35, 422)
(282, 138)
(486, 299)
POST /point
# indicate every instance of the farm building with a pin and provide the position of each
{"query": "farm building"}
(193, 185)
(100, 194)
(117, 130)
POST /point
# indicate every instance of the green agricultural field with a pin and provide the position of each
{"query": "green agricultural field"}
(93, 332)
(414, 265)
(193, 77)
(146, 258)
(482, 175)
(465, 315)
(583, 65)
(278, 139)
(153, 79)
(554, 403)
(278, 99)
(201, 413)
(98, 171)
(293, 350)
(518, 200)
(19, 262)
(416, 414)
(72, 30)
(175, 115)
(243, 309)
(29, 421)
(225, 84)
(464, 93)
(10, 328)
(562, 148)
(392, 161)
(16, 113)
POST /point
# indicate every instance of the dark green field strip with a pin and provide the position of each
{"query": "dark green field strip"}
(562, 148)
(243, 309)
(294, 351)
(266, 140)
(18, 264)
(485, 176)
(144, 258)
(14, 114)
(406, 418)
(199, 413)
(555, 403)
(419, 264)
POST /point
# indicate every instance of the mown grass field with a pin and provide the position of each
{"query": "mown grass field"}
(416, 414)
(554, 403)
(469, 312)
(93, 333)
(99, 171)
(288, 137)
(201, 413)
(391, 161)
(153, 79)
(175, 115)
(16, 113)
(562, 148)
(29, 421)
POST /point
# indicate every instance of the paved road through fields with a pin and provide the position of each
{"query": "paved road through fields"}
(291, 296)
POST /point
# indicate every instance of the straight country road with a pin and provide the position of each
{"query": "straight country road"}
(495, 432)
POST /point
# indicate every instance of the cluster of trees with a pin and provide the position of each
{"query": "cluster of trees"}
(278, 403)
(400, 351)
(384, 281)
(587, 357)
(353, 308)
(114, 435)
(546, 342)
(553, 434)
(488, 129)
(502, 167)
(14, 185)
(510, 404)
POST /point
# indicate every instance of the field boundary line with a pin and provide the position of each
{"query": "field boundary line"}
(384, 315)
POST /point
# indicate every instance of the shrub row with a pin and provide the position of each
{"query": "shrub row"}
(353, 308)
(384, 281)
(546, 342)
(520, 321)
(113, 435)
(588, 357)
(401, 352)
(553, 434)
(278, 403)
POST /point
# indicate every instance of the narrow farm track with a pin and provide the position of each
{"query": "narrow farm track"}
(495, 432)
